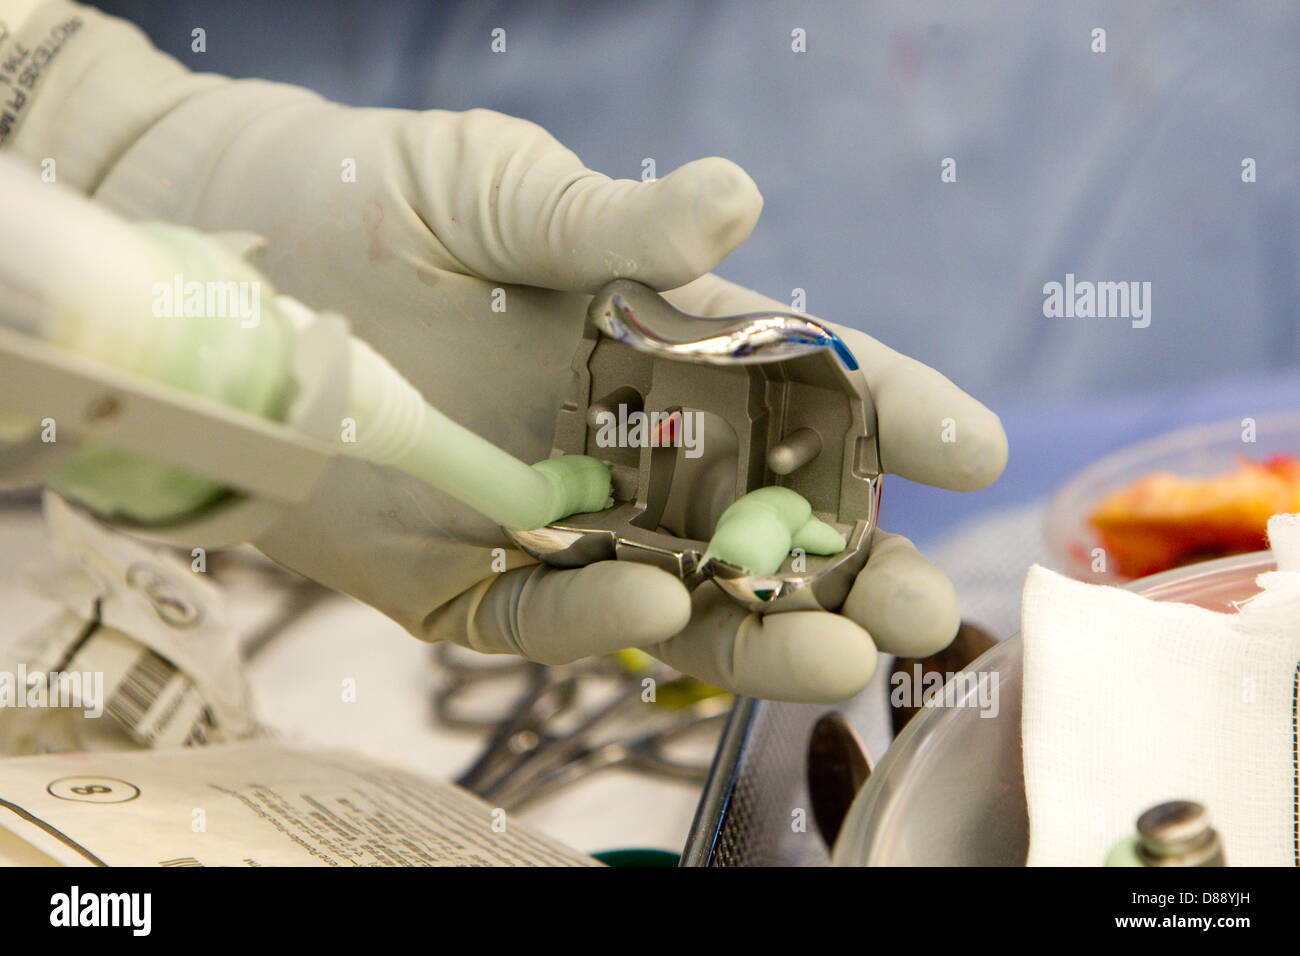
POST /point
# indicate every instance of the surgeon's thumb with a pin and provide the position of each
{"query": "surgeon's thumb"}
(519, 207)
(663, 232)
(556, 616)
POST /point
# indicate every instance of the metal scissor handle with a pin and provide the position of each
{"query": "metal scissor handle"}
(564, 760)
(547, 739)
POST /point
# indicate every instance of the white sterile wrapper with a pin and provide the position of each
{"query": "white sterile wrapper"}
(1130, 702)
(251, 804)
(141, 649)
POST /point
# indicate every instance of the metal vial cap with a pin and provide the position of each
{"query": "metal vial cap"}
(1178, 833)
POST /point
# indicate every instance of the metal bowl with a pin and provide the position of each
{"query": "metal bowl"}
(950, 791)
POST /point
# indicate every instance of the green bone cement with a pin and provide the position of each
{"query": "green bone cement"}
(218, 358)
(758, 531)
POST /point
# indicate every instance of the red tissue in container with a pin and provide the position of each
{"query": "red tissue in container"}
(1163, 520)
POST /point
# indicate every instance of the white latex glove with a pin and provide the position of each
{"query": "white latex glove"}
(451, 214)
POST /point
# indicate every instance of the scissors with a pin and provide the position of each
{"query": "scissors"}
(552, 735)
(783, 403)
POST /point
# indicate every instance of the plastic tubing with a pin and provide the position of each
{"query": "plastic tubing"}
(397, 427)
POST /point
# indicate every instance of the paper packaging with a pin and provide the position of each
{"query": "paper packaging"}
(251, 804)
(150, 630)
(1130, 702)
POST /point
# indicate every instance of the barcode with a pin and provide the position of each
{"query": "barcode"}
(181, 861)
(200, 734)
(140, 690)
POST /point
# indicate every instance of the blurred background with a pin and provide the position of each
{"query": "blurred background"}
(1117, 166)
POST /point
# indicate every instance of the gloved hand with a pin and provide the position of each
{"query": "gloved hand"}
(463, 247)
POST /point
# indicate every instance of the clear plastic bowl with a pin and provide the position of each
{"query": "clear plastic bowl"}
(950, 791)
(1198, 451)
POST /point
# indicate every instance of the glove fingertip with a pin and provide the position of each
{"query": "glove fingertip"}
(978, 458)
(910, 607)
(702, 212)
(646, 605)
(838, 665)
(726, 201)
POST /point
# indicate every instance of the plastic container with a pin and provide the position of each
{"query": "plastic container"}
(950, 791)
(1198, 451)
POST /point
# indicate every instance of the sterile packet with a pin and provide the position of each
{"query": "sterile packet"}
(139, 654)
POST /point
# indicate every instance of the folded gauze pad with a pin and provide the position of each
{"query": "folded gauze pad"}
(1130, 702)
(757, 531)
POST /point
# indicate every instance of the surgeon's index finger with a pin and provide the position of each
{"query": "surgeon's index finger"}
(930, 430)
(556, 616)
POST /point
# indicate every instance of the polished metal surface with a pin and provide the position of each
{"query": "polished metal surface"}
(782, 404)
(1178, 833)
(837, 768)
(640, 317)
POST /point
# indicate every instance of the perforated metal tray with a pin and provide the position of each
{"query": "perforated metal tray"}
(748, 813)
